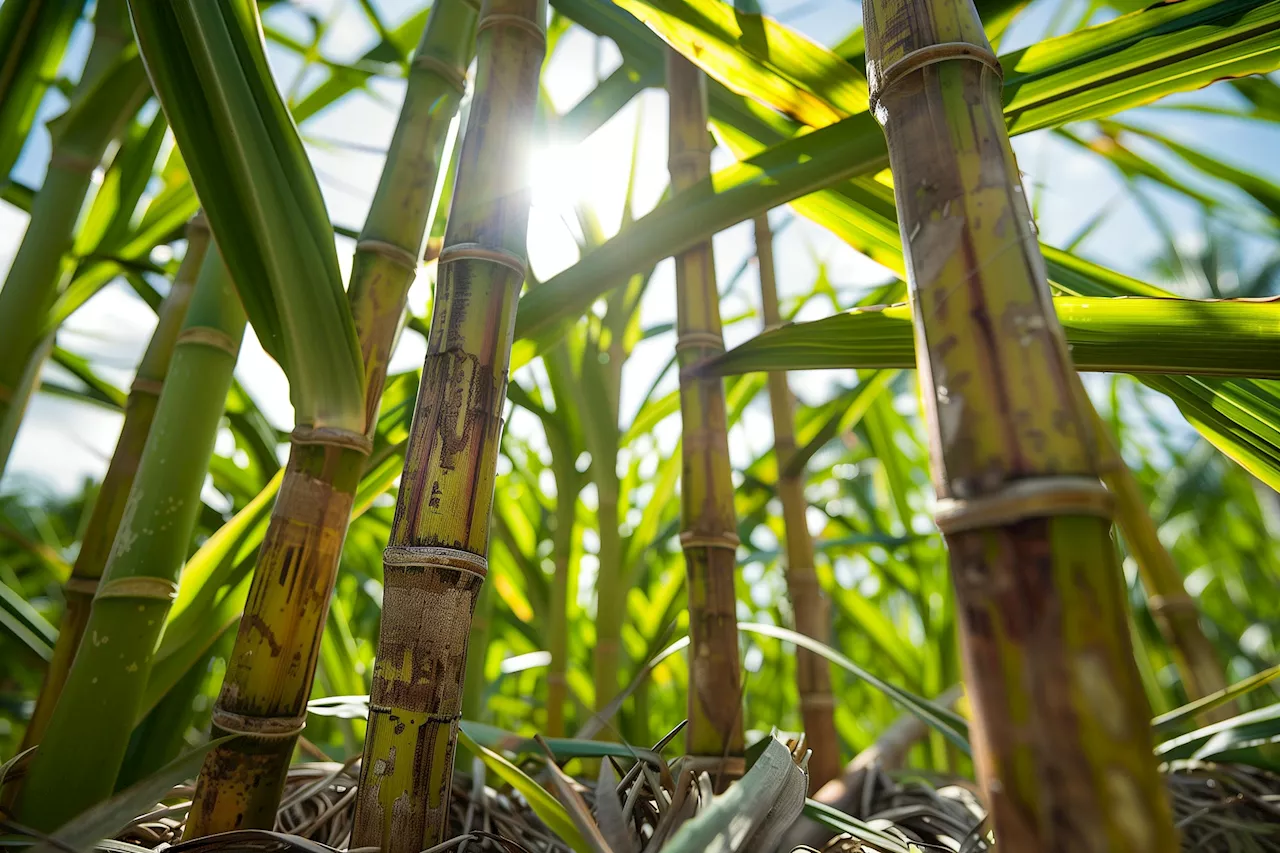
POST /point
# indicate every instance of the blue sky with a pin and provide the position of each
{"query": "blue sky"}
(63, 442)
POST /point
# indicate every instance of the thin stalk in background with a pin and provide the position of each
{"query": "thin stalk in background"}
(811, 608)
(108, 506)
(87, 735)
(568, 485)
(1173, 610)
(112, 86)
(708, 523)
(1061, 732)
(272, 667)
(473, 692)
(598, 397)
(436, 561)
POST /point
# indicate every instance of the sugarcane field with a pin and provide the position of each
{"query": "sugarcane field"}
(640, 426)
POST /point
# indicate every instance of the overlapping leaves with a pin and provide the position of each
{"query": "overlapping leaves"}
(209, 69)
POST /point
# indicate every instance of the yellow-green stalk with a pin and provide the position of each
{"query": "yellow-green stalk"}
(108, 506)
(1061, 726)
(568, 484)
(603, 437)
(812, 610)
(436, 561)
(708, 522)
(271, 669)
(1173, 610)
(111, 87)
(100, 702)
(564, 436)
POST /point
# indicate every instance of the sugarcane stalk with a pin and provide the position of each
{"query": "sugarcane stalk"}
(811, 608)
(436, 561)
(567, 486)
(709, 527)
(563, 440)
(272, 666)
(1061, 731)
(88, 732)
(108, 505)
(79, 140)
(611, 585)
(1173, 610)
(161, 734)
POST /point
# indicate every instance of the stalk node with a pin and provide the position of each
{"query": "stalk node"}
(518, 21)
(700, 340)
(433, 557)
(332, 437)
(143, 385)
(696, 157)
(452, 74)
(263, 728)
(880, 80)
(476, 252)
(398, 255)
(70, 161)
(1176, 601)
(1034, 497)
(690, 539)
(209, 337)
(141, 586)
(81, 586)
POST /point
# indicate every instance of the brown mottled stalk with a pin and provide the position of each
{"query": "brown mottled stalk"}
(709, 527)
(270, 672)
(1061, 729)
(436, 561)
(812, 613)
(108, 507)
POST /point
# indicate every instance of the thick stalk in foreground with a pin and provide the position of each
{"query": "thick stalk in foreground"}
(108, 506)
(85, 741)
(812, 611)
(708, 523)
(111, 87)
(436, 561)
(272, 667)
(1061, 731)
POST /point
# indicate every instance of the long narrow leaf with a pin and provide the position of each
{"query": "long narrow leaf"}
(1127, 335)
(209, 68)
